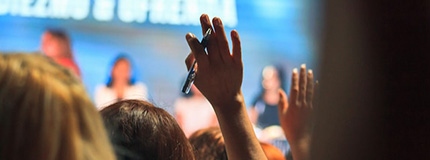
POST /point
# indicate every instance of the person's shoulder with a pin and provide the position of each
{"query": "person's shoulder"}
(101, 88)
(102, 91)
(139, 85)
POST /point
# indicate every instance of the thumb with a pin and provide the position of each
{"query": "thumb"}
(283, 102)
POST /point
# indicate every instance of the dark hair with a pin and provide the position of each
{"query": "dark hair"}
(138, 130)
(59, 33)
(208, 144)
(120, 57)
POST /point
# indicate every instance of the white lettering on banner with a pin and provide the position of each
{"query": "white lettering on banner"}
(4, 7)
(26, 8)
(229, 13)
(79, 9)
(104, 10)
(14, 7)
(173, 12)
(190, 12)
(156, 8)
(59, 9)
(39, 9)
(132, 10)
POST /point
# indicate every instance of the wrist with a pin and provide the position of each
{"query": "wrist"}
(235, 100)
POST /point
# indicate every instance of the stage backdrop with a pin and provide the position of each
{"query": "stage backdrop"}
(152, 33)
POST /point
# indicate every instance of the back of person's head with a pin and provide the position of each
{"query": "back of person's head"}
(46, 114)
(271, 152)
(139, 130)
(208, 144)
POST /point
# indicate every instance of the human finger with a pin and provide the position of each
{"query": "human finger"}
(294, 87)
(283, 102)
(310, 87)
(221, 38)
(237, 49)
(212, 46)
(189, 60)
(197, 50)
(205, 23)
(302, 83)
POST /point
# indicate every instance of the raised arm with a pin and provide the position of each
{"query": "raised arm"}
(219, 78)
(295, 113)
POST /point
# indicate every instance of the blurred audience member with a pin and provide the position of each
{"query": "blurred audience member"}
(271, 152)
(194, 113)
(139, 130)
(56, 45)
(208, 144)
(274, 135)
(45, 113)
(120, 85)
(264, 110)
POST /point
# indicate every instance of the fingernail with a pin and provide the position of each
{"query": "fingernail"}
(310, 71)
(234, 34)
(189, 36)
(205, 19)
(303, 65)
(217, 21)
(295, 70)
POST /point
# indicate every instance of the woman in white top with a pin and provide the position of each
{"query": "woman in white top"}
(121, 85)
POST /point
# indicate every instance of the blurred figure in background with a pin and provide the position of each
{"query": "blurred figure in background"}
(120, 85)
(56, 44)
(194, 112)
(264, 111)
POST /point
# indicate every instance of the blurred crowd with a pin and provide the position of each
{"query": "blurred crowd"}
(45, 112)
(193, 111)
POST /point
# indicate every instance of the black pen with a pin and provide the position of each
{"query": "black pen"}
(192, 73)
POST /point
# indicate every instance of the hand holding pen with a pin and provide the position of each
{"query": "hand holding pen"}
(192, 70)
(219, 77)
(219, 73)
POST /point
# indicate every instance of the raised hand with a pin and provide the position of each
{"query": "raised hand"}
(295, 112)
(219, 73)
(219, 77)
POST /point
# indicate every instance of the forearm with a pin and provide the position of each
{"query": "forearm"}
(239, 137)
(301, 149)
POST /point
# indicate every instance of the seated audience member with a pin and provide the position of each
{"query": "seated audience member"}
(121, 84)
(139, 130)
(194, 112)
(45, 113)
(274, 135)
(56, 45)
(295, 113)
(264, 110)
(271, 152)
(219, 77)
(208, 144)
